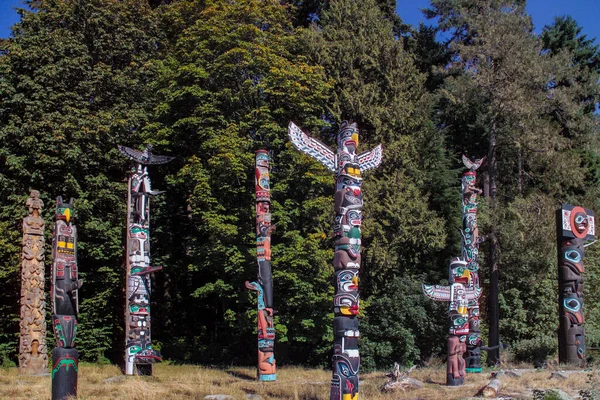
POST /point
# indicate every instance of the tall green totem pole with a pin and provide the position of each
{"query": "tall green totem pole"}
(347, 166)
(470, 254)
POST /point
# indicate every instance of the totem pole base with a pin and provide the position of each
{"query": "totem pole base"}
(474, 370)
(451, 381)
(143, 369)
(267, 378)
(64, 373)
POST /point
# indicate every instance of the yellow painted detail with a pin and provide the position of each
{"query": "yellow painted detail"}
(68, 214)
(355, 138)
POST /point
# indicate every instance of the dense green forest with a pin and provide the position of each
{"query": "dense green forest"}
(210, 81)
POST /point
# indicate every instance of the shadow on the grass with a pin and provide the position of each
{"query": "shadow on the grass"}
(242, 375)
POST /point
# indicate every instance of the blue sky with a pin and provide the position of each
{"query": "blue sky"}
(585, 12)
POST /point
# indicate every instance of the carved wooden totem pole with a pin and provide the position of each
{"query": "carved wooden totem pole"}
(33, 357)
(575, 225)
(264, 283)
(347, 166)
(470, 254)
(459, 294)
(139, 354)
(65, 302)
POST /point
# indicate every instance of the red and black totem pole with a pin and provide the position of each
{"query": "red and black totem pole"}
(139, 354)
(347, 166)
(470, 254)
(264, 282)
(64, 297)
(574, 225)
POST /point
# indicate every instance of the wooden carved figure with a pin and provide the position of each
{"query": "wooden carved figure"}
(264, 283)
(65, 302)
(139, 354)
(459, 294)
(33, 357)
(348, 166)
(574, 226)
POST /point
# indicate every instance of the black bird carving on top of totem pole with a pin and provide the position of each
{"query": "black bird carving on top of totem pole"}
(144, 157)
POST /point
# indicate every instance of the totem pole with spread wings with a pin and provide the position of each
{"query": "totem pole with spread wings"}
(347, 166)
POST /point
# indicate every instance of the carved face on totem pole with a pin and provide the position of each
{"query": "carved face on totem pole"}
(64, 211)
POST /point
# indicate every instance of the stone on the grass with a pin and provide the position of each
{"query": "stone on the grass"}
(114, 379)
(219, 397)
(559, 375)
(513, 373)
(556, 394)
(253, 396)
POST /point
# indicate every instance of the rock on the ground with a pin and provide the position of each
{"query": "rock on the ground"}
(513, 373)
(253, 396)
(556, 394)
(559, 375)
(114, 379)
(219, 397)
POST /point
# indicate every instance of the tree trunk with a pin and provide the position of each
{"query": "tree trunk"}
(494, 251)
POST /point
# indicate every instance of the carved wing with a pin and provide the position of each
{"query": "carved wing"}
(437, 292)
(311, 146)
(473, 293)
(131, 153)
(370, 159)
(472, 165)
(154, 159)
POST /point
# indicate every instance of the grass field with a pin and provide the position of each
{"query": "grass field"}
(193, 382)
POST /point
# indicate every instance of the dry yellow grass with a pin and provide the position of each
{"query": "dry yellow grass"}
(194, 382)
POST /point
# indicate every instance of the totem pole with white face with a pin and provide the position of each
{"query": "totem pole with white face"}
(347, 166)
(470, 254)
(65, 302)
(139, 354)
(575, 225)
(459, 294)
(264, 281)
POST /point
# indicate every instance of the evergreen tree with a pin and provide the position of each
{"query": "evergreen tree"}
(232, 77)
(377, 85)
(498, 99)
(75, 82)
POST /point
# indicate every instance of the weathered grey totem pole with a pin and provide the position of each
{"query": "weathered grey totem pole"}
(139, 354)
(459, 294)
(65, 302)
(470, 254)
(33, 357)
(347, 166)
(575, 225)
(264, 283)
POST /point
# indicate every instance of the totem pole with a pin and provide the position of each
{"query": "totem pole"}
(347, 166)
(264, 284)
(65, 302)
(460, 294)
(33, 358)
(139, 354)
(470, 254)
(574, 226)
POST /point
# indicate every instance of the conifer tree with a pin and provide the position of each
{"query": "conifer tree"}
(377, 85)
(75, 82)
